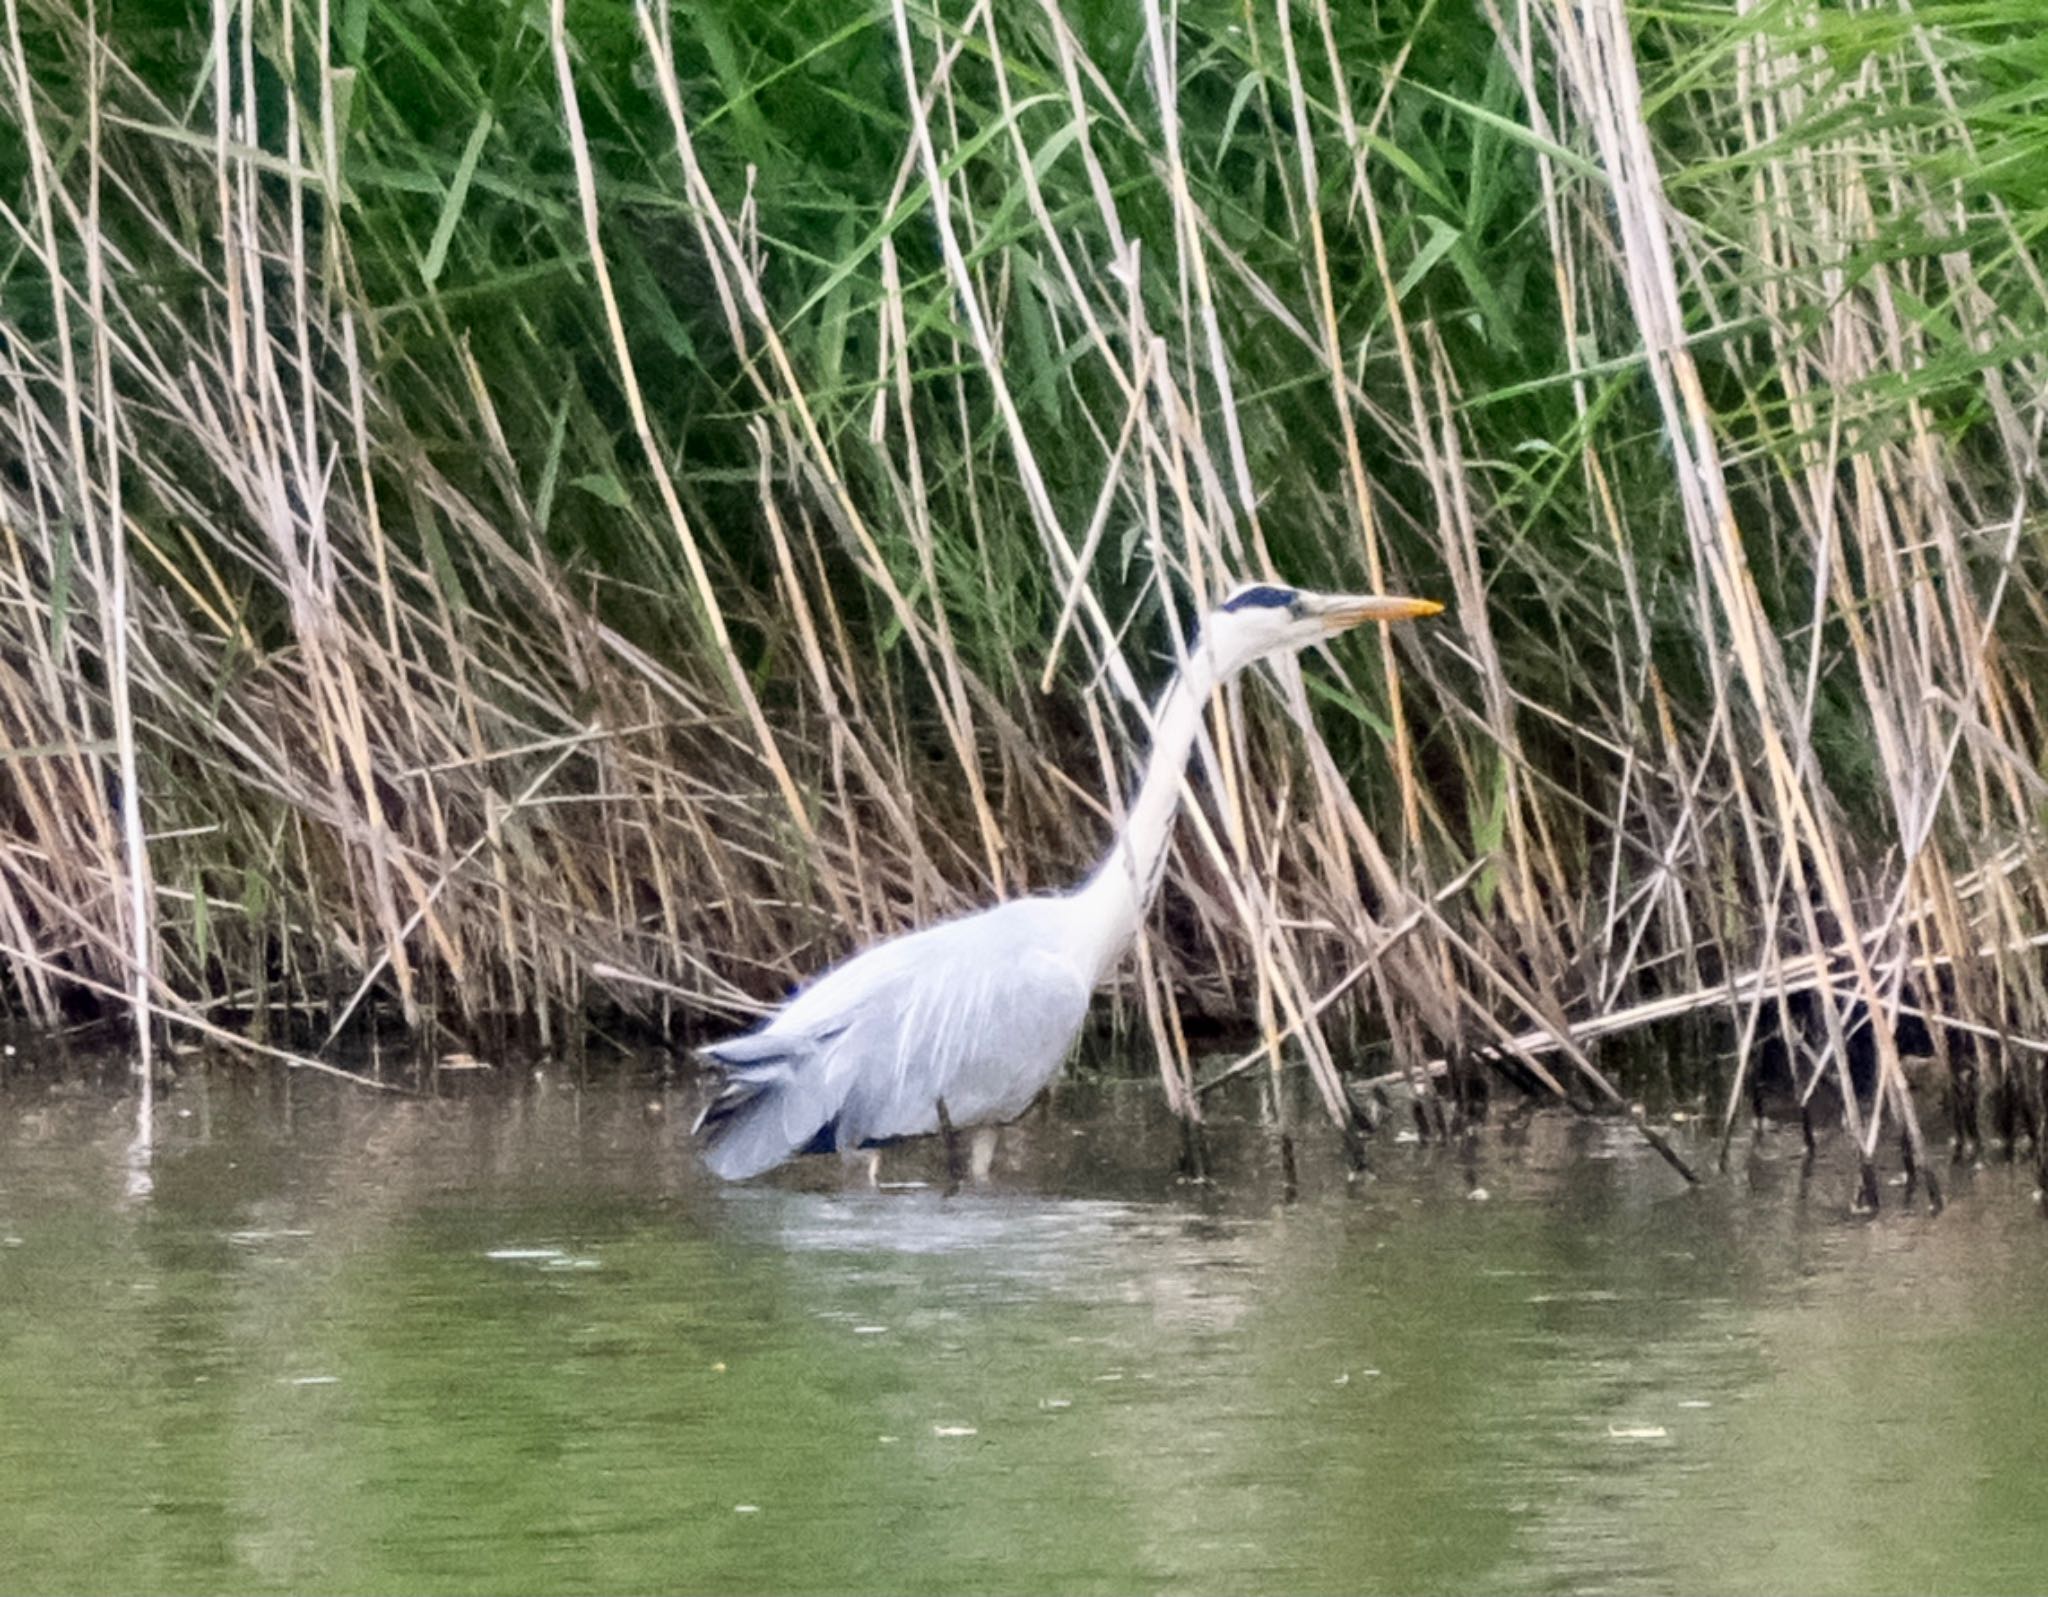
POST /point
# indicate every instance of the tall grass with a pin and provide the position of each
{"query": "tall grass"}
(510, 511)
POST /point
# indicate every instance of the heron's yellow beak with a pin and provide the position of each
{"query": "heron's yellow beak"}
(1341, 611)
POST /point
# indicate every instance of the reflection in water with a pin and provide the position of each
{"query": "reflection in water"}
(516, 1339)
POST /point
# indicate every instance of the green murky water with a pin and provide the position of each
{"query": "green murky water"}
(513, 1340)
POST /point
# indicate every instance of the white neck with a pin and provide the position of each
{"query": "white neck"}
(1112, 902)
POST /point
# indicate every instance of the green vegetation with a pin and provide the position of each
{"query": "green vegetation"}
(513, 504)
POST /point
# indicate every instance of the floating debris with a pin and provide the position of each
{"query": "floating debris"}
(316, 1380)
(870, 1330)
(1637, 1433)
(954, 1430)
(1055, 1402)
(1343, 1379)
(746, 1508)
(1478, 1195)
(1695, 1402)
(546, 1258)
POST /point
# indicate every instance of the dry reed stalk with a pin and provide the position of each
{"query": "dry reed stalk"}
(126, 875)
(115, 628)
(707, 595)
(738, 287)
(1360, 488)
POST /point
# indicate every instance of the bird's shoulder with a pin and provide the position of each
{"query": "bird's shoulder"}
(1023, 936)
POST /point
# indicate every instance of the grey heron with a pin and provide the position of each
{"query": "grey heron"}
(963, 1023)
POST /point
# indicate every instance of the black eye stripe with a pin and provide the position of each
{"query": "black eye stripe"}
(1261, 598)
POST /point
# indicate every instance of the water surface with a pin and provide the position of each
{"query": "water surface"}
(511, 1338)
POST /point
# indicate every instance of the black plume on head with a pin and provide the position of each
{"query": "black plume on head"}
(1261, 598)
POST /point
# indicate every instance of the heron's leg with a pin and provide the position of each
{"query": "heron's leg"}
(952, 1144)
(868, 1161)
(982, 1157)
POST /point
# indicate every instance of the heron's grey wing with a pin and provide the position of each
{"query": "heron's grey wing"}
(1027, 1027)
(982, 1032)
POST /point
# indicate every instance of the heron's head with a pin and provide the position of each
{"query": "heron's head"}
(1265, 618)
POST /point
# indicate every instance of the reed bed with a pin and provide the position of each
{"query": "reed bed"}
(543, 512)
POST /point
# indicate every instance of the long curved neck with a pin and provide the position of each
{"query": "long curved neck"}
(1113, 899)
